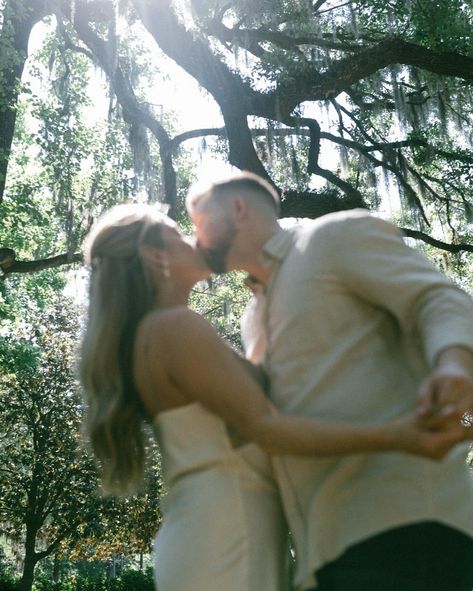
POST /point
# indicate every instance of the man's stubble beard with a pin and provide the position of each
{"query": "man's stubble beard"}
(216, 256)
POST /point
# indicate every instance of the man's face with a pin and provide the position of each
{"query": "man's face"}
(215, 234)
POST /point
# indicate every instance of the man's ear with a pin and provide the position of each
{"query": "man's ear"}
(240, 208)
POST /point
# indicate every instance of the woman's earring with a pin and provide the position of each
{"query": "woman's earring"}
(157, 261)
(165, 267)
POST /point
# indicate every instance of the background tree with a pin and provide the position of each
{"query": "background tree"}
(390, 73)
(123, 527)
(75, 153)
(48, 498)
(339, 104)
(46, 486)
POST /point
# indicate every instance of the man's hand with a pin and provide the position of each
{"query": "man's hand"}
(449, 385)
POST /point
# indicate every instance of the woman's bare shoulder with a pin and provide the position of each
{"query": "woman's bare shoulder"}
(178, 321)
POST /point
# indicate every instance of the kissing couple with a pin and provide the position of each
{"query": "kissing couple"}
(358, 447)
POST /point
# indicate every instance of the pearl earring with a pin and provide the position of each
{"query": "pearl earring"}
(165, 267)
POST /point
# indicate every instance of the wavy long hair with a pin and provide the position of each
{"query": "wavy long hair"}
(121, 292)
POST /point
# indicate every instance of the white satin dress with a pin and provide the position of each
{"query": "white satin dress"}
(223, 527)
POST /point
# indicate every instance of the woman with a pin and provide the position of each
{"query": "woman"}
(147, 358)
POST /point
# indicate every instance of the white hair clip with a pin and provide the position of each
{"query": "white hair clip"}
(162, 207)
(95, 263)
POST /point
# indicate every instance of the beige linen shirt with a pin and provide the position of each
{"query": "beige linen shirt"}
(354, 319)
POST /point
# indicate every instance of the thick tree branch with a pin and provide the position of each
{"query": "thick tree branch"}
(373, 146)
(342, 74)
(310, 204)
(134, 113)
(314, 136)
(196, 133)
(318, 4)
(350, 191)
(293, 204)
(313, 166)
(250, 39)
(229, 37)
(314, 205)
(60, 260)
(227, 88)
(454, 248)
(396, 172)
(242, 153)
(194, 55)
(49, 550)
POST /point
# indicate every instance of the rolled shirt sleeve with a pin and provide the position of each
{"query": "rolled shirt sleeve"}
(371, 258)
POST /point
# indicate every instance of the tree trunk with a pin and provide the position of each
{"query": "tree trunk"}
(30, 560)
(56, 568)
(113, 567)
(19, 19)
(33, 523)
(27, 578)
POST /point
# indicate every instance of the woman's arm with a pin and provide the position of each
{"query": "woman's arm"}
(255, 371)
(205, 369)
(310, 436)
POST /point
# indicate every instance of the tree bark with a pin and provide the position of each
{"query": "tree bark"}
(30, 561)
(308, 204)
(56, 568)
(27, 578)
(40, 264)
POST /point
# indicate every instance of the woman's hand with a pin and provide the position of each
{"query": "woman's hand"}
(433, 436)
(449, 384)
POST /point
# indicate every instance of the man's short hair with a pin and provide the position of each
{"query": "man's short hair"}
(245, 183)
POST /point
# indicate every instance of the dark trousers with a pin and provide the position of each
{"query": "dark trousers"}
(425, 556)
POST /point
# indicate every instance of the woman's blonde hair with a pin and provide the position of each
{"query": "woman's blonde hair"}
(121, 292)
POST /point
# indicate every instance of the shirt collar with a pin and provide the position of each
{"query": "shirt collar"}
(273, 252)
(277, 247)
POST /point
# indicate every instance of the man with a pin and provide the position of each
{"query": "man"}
(354, 325)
